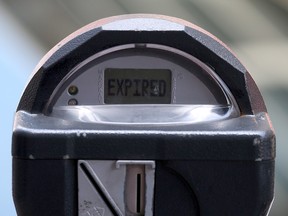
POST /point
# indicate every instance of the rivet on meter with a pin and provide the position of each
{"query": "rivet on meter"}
(72, 102)
(73, 90)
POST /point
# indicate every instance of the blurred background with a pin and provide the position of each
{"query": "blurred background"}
(257, 31)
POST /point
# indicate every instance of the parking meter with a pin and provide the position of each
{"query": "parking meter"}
(142, 115)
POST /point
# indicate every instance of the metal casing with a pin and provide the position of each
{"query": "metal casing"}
(228, 165)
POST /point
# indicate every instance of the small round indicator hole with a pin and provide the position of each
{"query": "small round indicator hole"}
(72, 102)
(73, 90)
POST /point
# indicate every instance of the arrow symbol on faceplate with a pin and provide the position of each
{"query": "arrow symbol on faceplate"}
(100, 211)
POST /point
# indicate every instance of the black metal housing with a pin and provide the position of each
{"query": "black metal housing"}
(215, 168)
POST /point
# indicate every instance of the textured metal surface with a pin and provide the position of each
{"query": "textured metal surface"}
(248, 138)
(254, 139)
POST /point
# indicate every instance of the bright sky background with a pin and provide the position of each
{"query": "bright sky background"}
(15, 66)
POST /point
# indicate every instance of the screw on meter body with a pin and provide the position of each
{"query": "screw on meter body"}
(73, 90)
(142, 115)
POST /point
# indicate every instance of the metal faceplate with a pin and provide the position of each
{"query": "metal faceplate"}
(194, 92)
(122, 187)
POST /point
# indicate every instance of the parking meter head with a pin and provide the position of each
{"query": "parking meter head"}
(138, 115)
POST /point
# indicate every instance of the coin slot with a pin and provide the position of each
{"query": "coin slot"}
(135, 189)
(139, 196)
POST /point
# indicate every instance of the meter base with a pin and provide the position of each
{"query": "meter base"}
(187, 187)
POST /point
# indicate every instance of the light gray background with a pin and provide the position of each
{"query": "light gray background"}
(256, 30)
